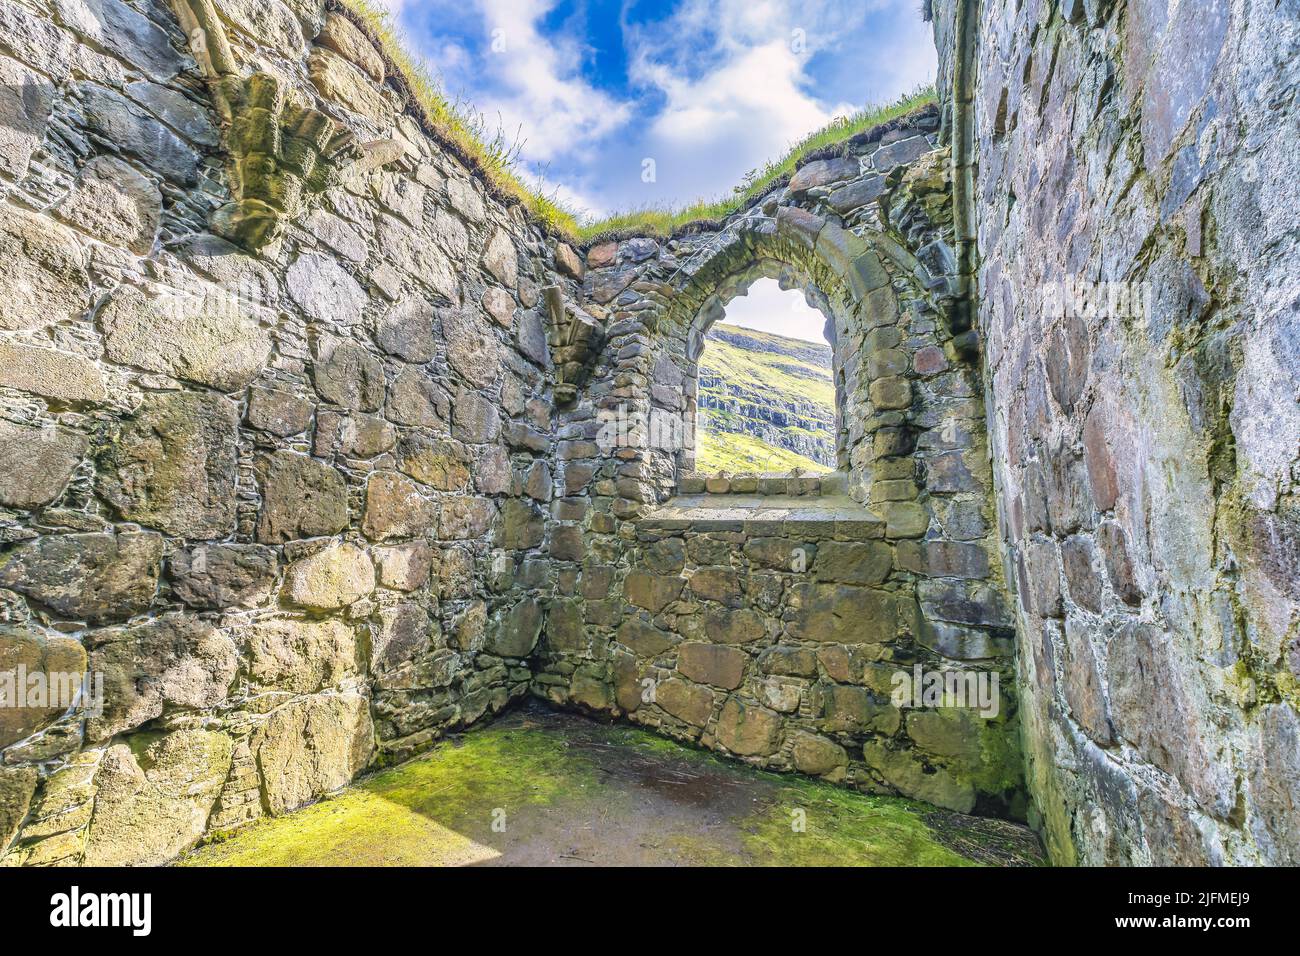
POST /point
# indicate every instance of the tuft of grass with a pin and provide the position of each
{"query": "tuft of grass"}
(459, 125)
(466, 131)
(662, 221)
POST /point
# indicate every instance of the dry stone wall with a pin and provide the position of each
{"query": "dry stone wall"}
(313, 446)
(287, 497)
(1139, 297)
(771, 628)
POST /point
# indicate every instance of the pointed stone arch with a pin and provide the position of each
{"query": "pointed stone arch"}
(841, 273)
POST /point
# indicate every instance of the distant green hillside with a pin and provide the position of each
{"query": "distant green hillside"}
(766, 403)
(723, 451)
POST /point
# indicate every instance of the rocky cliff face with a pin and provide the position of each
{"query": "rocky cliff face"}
(774, 389)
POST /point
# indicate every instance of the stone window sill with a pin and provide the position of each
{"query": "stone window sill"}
(824, 516)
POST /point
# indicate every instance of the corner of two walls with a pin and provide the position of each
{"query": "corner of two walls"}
(704, 628)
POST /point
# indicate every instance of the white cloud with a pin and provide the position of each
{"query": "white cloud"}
(756, 94)
(720, 86)
(733, 76)
(537, 87)
(768, 308)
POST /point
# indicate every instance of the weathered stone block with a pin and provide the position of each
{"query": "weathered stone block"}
(1153, 708)
(17, 786)
(330, 579)
(717, 584)
(155, 795)
(299, 656)
(907, 774)
(822, 172)
(501, 260)
(953, 732)
(46, 279)
(846, 614)
(712, 664)
(653, 592)
(522, 526)
(748, 729)
(197, 332)
(346, 374)
(50, 373)
(1077, 555)
(466, 518)
(405, 567)
(339, 81)
(849, 708)
(513, 631)
(312, 746)
(26, 653)
(441, 463)
(1082, 683)
(664, 557)
(1119, 566)
(36, 463)
(278, 412)
(567, 543)
(97, 578)
(174, 662)
(867, 562)
(395, 508)
(903, 519)
(301, 498)
(474, 418)
(352, 436)
(817, 755)
(215, 576)
(565, 629)
(644, 639)
(342, 36)
(689, 703)
(172, 465)
(740, 626)
(781, 554)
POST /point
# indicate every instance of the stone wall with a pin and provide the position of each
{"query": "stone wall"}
(1146, 443)
(771, 629)
(315, 447)
(281, 489)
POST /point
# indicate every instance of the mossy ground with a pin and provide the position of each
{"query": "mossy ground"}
(539, 787)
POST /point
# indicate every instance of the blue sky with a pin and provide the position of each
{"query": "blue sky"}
(706, 89)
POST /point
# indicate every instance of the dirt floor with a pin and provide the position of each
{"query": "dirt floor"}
(538, 787)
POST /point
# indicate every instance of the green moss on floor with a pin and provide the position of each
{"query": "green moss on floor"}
(539, 787)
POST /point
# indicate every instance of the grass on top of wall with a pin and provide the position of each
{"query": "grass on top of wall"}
(497, 157)
(460, 125)
(660, 222)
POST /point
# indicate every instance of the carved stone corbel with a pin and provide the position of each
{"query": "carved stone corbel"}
(277, 153)
(575, 339)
